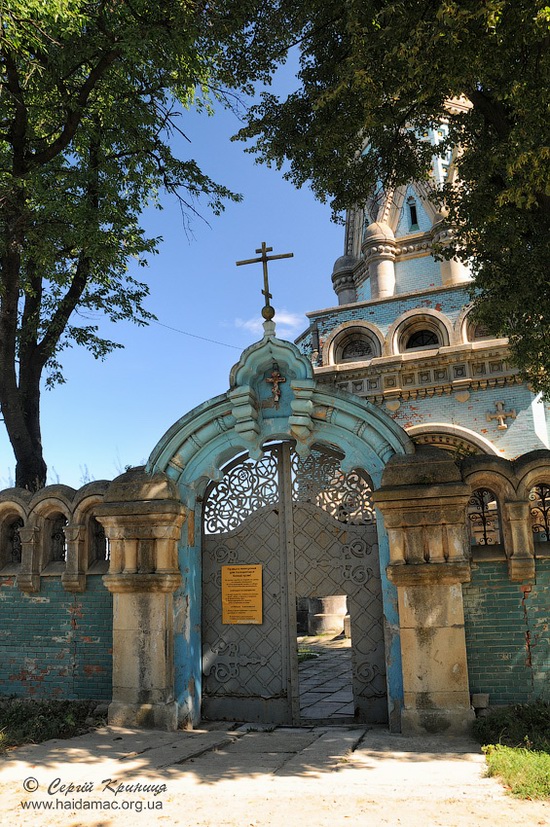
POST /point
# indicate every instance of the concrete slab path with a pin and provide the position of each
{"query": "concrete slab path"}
(223, 776)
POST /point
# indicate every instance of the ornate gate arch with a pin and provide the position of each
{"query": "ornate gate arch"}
(248, 418)
(311, 527)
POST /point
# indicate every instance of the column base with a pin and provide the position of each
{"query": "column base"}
(437, 721)
(149, 716)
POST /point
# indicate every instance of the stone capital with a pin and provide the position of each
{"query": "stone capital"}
(429, 574)
(125, 582)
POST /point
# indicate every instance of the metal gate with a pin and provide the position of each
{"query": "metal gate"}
(312, 530)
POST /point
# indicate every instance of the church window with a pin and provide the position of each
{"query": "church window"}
(356, 350)
(479, 331)
(422, 338)
(14, 541)
(413, 214)
(99, 544)
(58, 545)
(539, 501)
(483, 518)
(11, 553)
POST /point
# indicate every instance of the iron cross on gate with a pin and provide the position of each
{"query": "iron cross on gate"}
(267, 311)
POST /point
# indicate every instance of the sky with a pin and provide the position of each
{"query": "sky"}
(110, 414)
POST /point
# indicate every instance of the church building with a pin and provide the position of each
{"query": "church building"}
(391, 457)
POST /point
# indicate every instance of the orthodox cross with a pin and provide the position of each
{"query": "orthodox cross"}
(267, 311)
(275, 380)
(501, 415)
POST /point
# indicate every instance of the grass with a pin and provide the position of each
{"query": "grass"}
(306, 654)
(31, 722)
(516, 743)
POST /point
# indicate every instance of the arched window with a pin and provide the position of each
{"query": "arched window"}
(14, 542)
(10, 541)
(356, 343)
(54, 544)
(539, 498)
(58, 544)
(479, 331)
(356, 350)
(99, 544)
(422, 338)
(483, 518)
(413, 213)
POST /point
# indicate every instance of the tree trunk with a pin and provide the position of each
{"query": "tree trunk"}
(22, 421)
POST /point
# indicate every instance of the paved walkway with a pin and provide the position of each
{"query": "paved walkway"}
(325, 681)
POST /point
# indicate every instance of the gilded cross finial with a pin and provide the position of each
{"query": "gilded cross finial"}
(267, 311)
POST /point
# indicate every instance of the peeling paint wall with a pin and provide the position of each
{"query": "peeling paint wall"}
(56, 643)
(507, 634)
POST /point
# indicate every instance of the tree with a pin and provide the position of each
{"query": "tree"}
(91, 92)
(375, 76)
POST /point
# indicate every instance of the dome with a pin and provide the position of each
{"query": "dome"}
(379, 231)
(344, 264)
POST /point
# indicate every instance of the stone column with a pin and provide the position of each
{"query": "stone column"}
(521, 562)
(74, 576)
(423, 502)
(343, 281)
(143, 517)
(28, 578)
(453, 271)
(380, 250)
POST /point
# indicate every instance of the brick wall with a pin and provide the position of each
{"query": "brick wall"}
(507, 635)
(56, 643)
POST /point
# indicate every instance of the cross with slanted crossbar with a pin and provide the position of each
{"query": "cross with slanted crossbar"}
(267, 311)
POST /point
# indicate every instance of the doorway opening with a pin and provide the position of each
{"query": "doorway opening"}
(325, 660)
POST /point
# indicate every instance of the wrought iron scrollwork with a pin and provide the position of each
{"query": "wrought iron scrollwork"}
(248, 486)
(58, 541)
(540, 512)
(483, 517)
(318, 479)
(356, 350)
(14, 541)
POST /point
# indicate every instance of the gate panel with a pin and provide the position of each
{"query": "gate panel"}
(312, 529)
(245, 668)
(332, 559)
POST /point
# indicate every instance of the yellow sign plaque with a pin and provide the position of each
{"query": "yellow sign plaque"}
(242, 594)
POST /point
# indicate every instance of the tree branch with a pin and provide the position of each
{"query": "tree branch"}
(74, 115)
(18, 127)
(492, 111)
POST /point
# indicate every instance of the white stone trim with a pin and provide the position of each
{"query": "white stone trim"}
(454, 431)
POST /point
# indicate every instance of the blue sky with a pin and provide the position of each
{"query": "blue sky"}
(111, 414)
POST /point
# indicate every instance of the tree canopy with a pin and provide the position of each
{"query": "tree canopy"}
(91, 92)
(378, 75)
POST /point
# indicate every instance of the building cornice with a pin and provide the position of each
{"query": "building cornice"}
(457, 369)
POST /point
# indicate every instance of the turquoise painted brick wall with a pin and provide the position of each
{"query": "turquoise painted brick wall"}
(417, 274)
(384, 313)
(55, 643)
(507, 636)
(518, 438)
